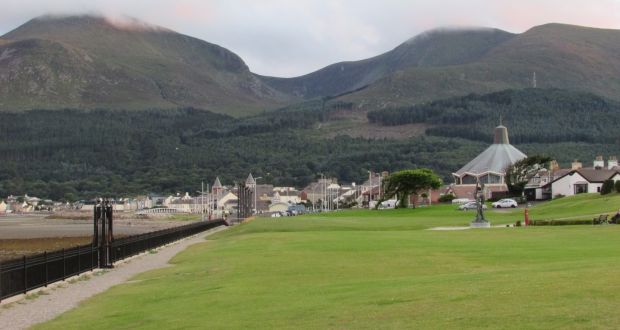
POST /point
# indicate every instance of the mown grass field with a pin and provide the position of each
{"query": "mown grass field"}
(380, 269)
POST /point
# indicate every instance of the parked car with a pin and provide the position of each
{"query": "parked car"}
(471, 206)
(461, 201)
(506, 202)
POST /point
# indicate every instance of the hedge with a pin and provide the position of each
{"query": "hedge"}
(560, 222)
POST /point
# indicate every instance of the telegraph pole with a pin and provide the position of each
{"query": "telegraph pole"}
(202, 200)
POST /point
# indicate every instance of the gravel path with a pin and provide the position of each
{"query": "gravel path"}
(64, 296)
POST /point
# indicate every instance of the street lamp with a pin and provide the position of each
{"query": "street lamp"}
(255, 193)
(202, 199)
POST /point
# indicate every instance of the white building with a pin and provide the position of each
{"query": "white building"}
(583, 180)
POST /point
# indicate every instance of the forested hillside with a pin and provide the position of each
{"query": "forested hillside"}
(75, 153)
(72, 154)
(532, 115)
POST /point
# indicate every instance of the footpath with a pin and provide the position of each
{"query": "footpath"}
(44, 304)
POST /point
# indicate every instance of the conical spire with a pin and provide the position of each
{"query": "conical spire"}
(217, 184)
(250, 180)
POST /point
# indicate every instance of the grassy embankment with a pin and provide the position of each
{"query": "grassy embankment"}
(380, 269)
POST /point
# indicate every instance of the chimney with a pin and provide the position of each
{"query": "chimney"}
(554, 166)
(599, 163)
(613, 162)
(576, 165)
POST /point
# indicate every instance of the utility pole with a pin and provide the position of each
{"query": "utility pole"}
(202, 200)
(324, 192)
(208, 205)
(370, 186)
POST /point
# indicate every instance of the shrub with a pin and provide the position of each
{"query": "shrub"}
(617, 186)
(608, 187)
(560, 222)
(447, 198)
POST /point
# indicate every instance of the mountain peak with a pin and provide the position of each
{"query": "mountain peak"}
(451, 31)
(52, 23)
(565, 28)
(124, 63)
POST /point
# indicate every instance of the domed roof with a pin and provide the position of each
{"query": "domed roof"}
(496, 158)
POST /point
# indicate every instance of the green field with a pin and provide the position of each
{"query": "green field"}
(380, 269)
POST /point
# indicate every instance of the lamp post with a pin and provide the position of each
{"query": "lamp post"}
(370, 188)
(202, 199)
(255, 193)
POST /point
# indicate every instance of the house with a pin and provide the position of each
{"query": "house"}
(227, 202)
(278, 207)
(489, 167)
(538, 186)
(583, 180)
(318, 190)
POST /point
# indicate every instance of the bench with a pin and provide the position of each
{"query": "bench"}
(600, 220)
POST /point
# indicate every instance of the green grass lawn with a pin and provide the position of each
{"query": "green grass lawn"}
(380, 269)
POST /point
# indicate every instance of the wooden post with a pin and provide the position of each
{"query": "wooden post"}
(25, 276)
(46, 272)
(64, 268)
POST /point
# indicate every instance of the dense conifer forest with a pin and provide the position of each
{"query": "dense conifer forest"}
(533, 116)
(74, 154)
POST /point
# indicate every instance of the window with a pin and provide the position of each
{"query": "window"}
(468, 179)
(581, 188)
(491, 178)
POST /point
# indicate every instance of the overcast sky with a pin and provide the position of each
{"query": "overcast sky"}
(294, 37)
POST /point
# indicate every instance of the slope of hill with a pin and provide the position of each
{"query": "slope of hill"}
(92, 62)
(440, 47)
(563, 56)
(534, 115)
(80, 153)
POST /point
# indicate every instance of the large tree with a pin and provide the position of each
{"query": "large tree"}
(404, 183)
(519, 173)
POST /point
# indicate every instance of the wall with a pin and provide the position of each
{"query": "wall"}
(565, 185)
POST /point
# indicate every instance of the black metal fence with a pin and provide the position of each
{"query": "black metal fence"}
(18, 276)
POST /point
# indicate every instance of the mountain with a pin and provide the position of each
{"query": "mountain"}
(94, 62)
(440, 47)
(562, 56)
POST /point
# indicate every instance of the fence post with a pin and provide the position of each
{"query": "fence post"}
(64, 268)
(45, 262)
(25, 276)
